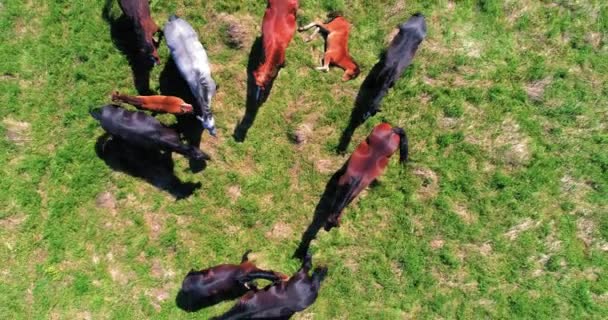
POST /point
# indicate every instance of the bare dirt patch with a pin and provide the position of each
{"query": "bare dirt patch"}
(280, 230)
(324, 166)
(516, 230)
(17, 132)
(119, 275)
(515, 143)
(463, 212)
(13, 222)
(240, 30)
(536, 89)
(158, 296)
(429, 182)
(106, 200)
(594, 39)
(155, 223)
(302, 133)
(157, 270)
(234, 192)
(585, 229)
(437, 244)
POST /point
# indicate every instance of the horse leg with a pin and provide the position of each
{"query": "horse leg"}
(325, 64)
(308, 26)
(313, 35)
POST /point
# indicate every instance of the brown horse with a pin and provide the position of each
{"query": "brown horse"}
(138, 11)
(336, 31)
(280, 300)
(164, 104)
(223, 282)
(366, 163)
(278, 28)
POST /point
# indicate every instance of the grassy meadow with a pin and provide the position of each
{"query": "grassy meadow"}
(502, 211)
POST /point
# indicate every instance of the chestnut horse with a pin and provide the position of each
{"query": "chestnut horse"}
(278, 28)
(138, 11)
(336, 31)
(164, 104)
(223, 282)
(281, 300)
(366, 163)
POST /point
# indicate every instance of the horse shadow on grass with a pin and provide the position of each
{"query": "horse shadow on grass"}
(153, 166)
(321, 214)
(363, 108)
(125, 40)
(173, 84)
(252, 103)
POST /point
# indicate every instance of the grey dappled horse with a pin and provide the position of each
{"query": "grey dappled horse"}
(193, 63)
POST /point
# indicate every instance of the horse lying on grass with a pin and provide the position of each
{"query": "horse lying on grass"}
(144, 131)
(280, 300)
(336, 31)
(210, 286)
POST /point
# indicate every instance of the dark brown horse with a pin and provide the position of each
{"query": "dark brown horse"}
(223, 282)
(278, 28)
(280, 300)
(138, 11)
(144, 131)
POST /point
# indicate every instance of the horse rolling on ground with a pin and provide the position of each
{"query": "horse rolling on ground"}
(138, 11)
(144, 131)
(399, 56)
(366, 163)
(163, 104)
(336, 31)
(223, 282)
(193, 63)
(278, 28)
(281, 300)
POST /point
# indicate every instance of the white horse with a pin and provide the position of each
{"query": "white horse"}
(193, 63)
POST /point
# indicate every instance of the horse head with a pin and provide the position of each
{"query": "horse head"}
(206, 91)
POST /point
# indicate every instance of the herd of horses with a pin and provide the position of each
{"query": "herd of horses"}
(285, 295)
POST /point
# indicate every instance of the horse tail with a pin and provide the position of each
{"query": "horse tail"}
(403, 144)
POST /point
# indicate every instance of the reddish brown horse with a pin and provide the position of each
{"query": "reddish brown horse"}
(336, 31)
(164, 104)
(367, 162)
(223, 282)
(278, 28)
(138, 11)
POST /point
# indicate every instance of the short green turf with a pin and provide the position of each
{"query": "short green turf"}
(501, 212)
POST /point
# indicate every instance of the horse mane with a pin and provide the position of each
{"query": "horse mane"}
(333, 15)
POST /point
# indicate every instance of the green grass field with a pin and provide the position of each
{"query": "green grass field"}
(502, 211)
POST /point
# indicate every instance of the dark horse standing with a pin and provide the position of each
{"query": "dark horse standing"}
(138, 11)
